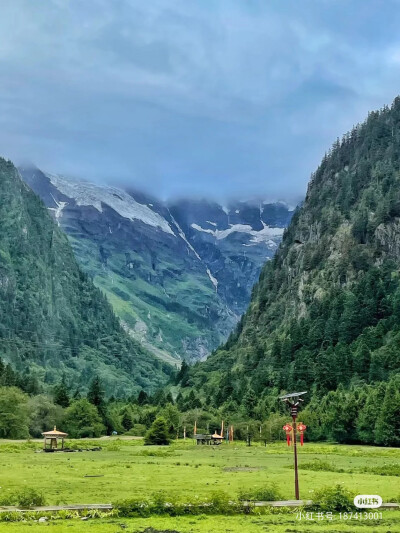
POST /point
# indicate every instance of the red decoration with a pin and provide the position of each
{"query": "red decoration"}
(301, 428)
(288, 428)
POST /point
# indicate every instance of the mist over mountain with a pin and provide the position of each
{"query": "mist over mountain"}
(179, 274)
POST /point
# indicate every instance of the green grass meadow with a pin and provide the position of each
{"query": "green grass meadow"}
(127, 469)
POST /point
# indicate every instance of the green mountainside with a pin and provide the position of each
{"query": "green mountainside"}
(53, 321)
(325, 314)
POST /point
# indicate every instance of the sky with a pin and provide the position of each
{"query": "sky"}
(218, 98)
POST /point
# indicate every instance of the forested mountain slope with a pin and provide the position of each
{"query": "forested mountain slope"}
(53, 321)
(325, 314)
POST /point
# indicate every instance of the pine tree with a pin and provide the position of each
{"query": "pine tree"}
(250, 402)
(143, 398)
(350, 319)
(96, 395)
(60, 394)
(158, 433)
(127, 419)
(387, 426)
(183, 374)
(370, 413)
(362, 361)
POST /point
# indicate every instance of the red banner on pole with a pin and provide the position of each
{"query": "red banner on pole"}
(288, 429)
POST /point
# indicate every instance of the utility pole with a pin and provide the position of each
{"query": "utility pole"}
(293, 401)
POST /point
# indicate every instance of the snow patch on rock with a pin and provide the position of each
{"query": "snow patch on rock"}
(257, 237)
(85, 193)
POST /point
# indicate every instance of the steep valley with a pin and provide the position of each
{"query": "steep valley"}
(178, 274)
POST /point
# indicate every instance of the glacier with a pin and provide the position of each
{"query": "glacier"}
(86, 193)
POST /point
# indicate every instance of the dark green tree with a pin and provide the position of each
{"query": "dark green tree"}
(143, 398)
(96, 395)
(82, 419)
(250, 402)
(61, 394)
(158, 433)
(387, 430)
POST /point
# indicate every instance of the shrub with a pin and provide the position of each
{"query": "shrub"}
(114, 447)
(220, 503)
(25, 498)
(163, 504)
(392, 469)
(133, 507)
(317, 466)
(156, 453)
(158, 433)
(268, 493)
(335, 498)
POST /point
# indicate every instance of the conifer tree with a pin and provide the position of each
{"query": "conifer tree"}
(96, 395)
(61, 395)
(387, 426)
(158, 433)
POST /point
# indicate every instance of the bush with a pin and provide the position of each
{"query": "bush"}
(133, 507)
(220, 503)
(163, 504)
(25, 498)
(318, 466)
(156, 453)
(335, 498)
(30, 497)
(269, 493)
(392, 469)
(158, 433)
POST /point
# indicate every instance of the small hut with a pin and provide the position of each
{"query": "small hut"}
(51, 439)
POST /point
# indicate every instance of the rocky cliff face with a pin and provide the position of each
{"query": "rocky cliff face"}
(179, 275)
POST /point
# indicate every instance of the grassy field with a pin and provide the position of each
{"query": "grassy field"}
(126, 469)
(215, 524)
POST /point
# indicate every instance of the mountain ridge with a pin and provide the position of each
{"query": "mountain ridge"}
(54, 322)
(324, 315)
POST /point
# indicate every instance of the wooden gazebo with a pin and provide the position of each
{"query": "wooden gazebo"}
(217, 439)
(51, 439)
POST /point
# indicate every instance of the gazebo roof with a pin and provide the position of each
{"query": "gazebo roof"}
(54, 433)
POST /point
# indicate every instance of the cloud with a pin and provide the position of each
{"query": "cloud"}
(216, 97)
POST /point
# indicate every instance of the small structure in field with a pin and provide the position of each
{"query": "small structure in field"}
(217, 439)
(208, 439)
(202, 438)
(51, 439)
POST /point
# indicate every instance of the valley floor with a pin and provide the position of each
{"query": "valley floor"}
(126, 469)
